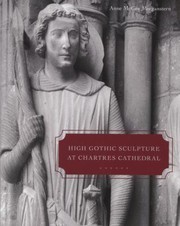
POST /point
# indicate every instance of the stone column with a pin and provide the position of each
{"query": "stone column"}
(138, 53)
(110, 45)
(138, 27)
(119, 76)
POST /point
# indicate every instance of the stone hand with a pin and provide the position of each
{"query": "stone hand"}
(33, 130)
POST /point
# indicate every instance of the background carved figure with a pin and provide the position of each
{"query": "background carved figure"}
(173, 178)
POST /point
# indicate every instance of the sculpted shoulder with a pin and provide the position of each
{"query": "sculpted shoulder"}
(91, 85)
(84, 84)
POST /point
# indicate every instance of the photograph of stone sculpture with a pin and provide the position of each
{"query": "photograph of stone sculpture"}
(103, 65)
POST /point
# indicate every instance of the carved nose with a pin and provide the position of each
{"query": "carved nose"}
(66, 42)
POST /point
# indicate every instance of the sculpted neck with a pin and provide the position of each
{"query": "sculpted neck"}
(62, 75)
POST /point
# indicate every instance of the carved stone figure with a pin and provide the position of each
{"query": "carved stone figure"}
(173, 178)
(64, 99)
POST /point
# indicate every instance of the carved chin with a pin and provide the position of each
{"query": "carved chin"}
(65, 63)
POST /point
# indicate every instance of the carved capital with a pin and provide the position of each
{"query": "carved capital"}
(141, 10)
(100, 5)
(139, 13)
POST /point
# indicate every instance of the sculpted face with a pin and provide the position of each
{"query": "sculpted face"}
(62, 42)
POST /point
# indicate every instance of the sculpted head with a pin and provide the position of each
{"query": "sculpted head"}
(61, 15)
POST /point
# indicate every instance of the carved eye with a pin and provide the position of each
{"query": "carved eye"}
(73, 34)
(57, 33)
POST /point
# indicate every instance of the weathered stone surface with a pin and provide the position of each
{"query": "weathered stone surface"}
(158, 208)
(119, 77)
(174, 63)
(166, 82)
(160, 74)
(161, 106)
(137, 81)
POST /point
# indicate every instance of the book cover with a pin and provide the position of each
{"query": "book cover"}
(71, 69)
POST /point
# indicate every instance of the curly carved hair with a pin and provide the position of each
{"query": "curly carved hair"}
(50, 13)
